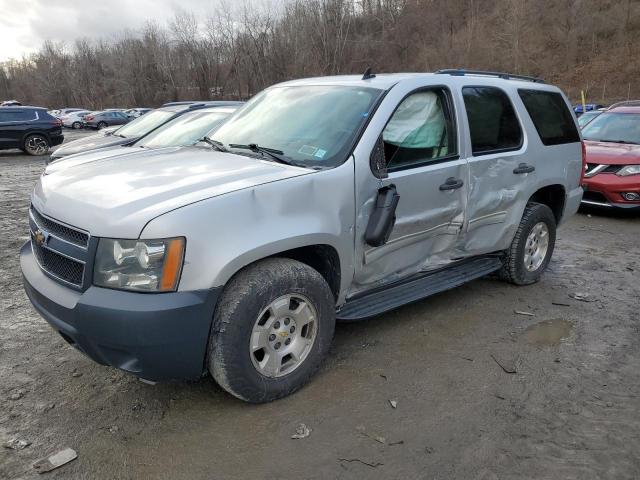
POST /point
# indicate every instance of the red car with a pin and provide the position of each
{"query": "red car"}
(612, 141)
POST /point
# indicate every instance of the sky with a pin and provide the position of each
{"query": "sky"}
(26, 24)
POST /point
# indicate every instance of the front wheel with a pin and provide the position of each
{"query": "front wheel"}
(272, 328)
(36, 144)
(76, 125)
(102, 125)
(532, 246)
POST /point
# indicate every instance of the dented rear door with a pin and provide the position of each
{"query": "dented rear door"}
(501, 173)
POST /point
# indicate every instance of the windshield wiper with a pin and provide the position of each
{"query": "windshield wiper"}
(620, 141)
(214, 143)
(272, 152)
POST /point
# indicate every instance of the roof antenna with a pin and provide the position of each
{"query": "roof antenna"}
(368, 75)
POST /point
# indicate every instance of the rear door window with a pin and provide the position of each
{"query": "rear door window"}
(550, 116)
(17, 116)
(493, 123)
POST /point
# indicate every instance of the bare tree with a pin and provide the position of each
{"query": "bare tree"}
(243, 47)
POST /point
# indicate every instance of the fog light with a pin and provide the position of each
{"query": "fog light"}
(631, 196)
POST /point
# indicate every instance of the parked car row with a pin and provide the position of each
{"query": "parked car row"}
(77, 118)
(145, 125)
(34, 130)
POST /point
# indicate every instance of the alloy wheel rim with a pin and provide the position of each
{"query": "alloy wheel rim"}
(536, 246)
(37, 145)
(283, 335)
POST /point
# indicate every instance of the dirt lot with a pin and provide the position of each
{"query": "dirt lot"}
(482, 392)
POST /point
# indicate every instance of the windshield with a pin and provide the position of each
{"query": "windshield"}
(187, 129)
(143, 125)
(310, 125)
(614, 127)
(587, 117)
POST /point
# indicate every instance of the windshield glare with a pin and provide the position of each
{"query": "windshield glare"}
(615, 127)
(187, 129)
(311, 125)
(587, 117)
(144, 124)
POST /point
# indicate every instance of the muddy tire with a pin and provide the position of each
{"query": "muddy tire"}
(36, 144)
(272, 328)
(532, 246)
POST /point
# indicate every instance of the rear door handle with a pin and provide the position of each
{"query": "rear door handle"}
(451, 184)
(523, 168)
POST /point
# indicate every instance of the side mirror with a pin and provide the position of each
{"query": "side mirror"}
(378, 161)
(383, 217)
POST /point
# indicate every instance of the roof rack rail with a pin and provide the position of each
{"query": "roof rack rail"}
(505, 76)
(625, 103)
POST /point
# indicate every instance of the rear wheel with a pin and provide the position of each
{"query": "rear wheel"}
(36, 144)
(532, 246)
(272, 328)
(102, 125)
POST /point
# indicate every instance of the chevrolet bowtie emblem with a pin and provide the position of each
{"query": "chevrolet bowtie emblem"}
(283, 334)
(39, 237)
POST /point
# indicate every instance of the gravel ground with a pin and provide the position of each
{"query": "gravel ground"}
(482, 392)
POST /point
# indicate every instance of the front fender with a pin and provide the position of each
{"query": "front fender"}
(228, 232)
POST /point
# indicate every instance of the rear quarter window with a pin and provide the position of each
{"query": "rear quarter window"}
(44, 115)
(551, 117)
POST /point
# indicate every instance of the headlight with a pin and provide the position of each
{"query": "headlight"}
(628, 170)
(141, 265)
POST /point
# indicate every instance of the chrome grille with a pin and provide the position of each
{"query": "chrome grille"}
(595, 168)
(61, 267)
(64, 232)
(60, 250)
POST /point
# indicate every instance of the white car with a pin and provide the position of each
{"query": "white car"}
(136, 112)
(74, 119)
(64, 111)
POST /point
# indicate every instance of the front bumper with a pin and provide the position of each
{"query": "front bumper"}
(605, 190)
(153, 336)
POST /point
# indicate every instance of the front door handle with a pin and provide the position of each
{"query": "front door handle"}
(451, 184)
(523, 168)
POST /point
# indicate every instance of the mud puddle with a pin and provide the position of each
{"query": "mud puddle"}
(549, 332)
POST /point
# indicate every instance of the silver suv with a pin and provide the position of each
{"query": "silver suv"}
(336, 197)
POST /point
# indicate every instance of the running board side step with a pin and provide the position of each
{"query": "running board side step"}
(416, 288)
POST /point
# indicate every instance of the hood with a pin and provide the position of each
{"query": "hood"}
(117, 196)
(99, 140)
(91, 156)
(607, 153)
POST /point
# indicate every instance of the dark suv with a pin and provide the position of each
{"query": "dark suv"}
(31, 129)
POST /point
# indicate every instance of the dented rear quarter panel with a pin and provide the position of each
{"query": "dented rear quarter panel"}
(227, 232)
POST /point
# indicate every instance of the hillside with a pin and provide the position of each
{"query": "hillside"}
(237, 51)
